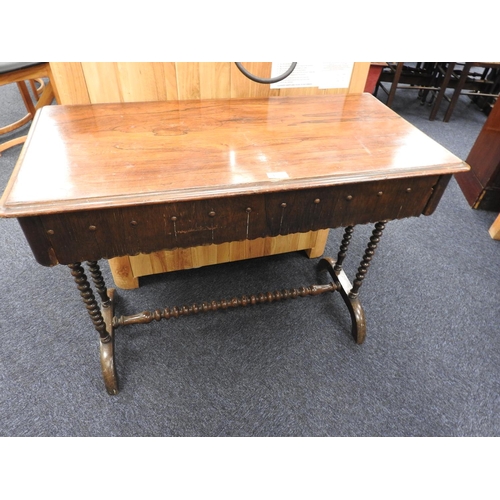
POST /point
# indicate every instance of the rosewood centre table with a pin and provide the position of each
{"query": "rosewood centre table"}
(101, 181)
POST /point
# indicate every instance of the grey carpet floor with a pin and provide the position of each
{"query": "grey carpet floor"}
(430, 365)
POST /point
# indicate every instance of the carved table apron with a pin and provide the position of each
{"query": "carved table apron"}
(102, 181)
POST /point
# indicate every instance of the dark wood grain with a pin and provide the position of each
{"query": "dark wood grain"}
(110, 180)
(93, 234)
(116, 155)
(105, 181)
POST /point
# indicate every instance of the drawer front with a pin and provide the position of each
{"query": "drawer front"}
(94, 234)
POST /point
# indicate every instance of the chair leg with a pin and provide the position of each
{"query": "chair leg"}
(458, 91)
(47, 96)
(423, 94)
(28, 102)
(442, 90)
(395, 81)
(37, 91)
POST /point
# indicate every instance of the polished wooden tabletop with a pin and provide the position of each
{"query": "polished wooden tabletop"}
(116, 155)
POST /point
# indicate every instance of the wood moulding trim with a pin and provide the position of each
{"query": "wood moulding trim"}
(98, 143)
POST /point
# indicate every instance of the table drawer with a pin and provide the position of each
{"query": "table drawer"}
(94, 234)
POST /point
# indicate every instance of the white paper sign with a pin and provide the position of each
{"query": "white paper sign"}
(333, 75)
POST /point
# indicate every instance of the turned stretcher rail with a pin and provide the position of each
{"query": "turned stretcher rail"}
(244, 300)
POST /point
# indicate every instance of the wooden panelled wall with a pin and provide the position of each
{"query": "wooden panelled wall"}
(91, 83)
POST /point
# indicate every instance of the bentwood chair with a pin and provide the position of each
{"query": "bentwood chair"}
(19, 72)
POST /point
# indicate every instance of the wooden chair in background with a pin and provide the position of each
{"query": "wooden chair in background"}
(474, 79)
(43, 94)
(433, 80)
(421, 77)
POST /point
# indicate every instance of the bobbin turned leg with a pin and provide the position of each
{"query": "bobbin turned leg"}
(102, 319)
(365, 263)
(354, 307)
(98, 280)
(107, 349)
(350, 293)
(339, 277)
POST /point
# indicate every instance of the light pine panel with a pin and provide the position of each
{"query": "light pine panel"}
(69, 81)
(81, 83)
(215, 80)
(141, 82)
(99, 82)
(126, 270)
(103, 81)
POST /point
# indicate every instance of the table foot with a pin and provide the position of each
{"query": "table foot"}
(107, 350)
(101, 317)
(353, 304)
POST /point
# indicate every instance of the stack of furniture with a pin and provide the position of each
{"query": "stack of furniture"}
(479, 80)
